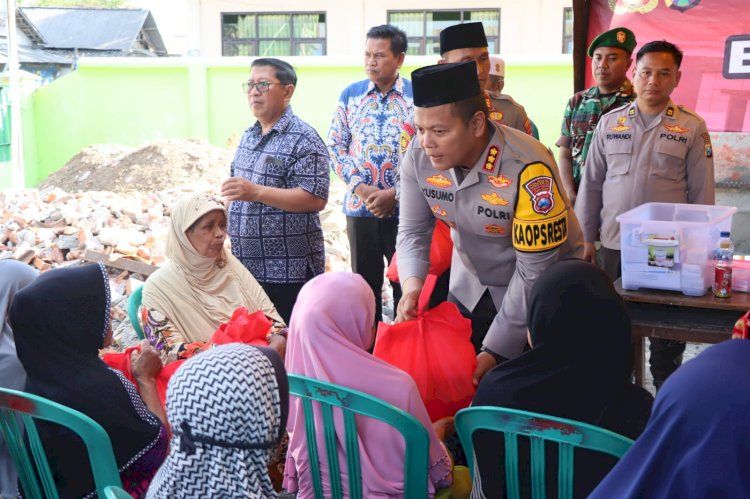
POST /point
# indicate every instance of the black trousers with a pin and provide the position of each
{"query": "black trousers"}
(371, 239)
(283, 296)
(481, 317)
(665, 355)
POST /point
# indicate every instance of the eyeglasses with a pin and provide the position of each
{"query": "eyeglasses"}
(262, 86)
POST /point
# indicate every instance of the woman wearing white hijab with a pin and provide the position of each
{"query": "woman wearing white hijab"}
(199, 289)
(14, 276)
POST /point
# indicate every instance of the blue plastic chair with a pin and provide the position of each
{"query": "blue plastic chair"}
(134, 302)
(352, 402)
(113, 492)
(539, 428)
(28, 454)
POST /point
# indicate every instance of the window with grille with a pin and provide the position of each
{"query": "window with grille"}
(423, 27)
(273, 34)
(567, 38)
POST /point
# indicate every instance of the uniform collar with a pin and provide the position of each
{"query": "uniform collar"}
(670, 112)
(488, 162)
(624, 90)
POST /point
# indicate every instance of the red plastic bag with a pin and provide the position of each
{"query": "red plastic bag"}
(242, 327)
(441, 252)
(121, 362)
(436, 350)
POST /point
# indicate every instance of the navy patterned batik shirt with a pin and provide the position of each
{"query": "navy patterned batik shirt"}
(275, 245)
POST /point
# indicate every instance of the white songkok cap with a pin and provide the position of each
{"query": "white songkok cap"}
(497, 65)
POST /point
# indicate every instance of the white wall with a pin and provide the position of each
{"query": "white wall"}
(526, 26)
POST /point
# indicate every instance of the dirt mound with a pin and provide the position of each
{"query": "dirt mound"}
(156, 166)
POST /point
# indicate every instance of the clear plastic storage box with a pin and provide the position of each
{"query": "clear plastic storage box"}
(670, 245)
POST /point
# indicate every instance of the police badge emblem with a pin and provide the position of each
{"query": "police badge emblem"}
(540, 189)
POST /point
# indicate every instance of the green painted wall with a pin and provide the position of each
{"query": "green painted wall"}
(136, 102)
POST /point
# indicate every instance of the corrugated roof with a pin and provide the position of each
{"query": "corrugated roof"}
(95, 29)
(31, 55)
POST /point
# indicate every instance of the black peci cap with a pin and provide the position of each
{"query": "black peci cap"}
(445, 83)
(460, 36)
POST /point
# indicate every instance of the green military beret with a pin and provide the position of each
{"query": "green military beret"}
(621, 38)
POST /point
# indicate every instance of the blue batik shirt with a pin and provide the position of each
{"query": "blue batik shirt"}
(364, 138)
(277, 246)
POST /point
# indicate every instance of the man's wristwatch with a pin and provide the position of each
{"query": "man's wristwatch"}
(498, 358)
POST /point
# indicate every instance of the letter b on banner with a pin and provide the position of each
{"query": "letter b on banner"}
(737, 57)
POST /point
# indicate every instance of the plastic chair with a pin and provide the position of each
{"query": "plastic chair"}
(133, 303)
(114, 492)
(352, 402)
(36, 477)
(539, 428)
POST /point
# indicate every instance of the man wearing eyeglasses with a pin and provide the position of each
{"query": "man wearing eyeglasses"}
(278, 184)
(364, 145)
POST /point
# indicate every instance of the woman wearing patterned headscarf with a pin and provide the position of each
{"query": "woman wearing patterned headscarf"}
(332, 328)
(186, 300)
(13, 277)
(60, 321)
(228, 408)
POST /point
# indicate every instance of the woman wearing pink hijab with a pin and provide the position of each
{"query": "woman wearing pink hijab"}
(332, 327)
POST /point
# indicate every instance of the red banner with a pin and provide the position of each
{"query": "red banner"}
(715, 38)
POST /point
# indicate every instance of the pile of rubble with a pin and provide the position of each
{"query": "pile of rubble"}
(65, 223)
(51, 228)
(155, 166)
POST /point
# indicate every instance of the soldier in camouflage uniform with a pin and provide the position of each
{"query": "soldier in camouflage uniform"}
(611, 57)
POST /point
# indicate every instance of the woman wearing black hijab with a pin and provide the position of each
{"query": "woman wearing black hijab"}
(60, 322)
(578, 368)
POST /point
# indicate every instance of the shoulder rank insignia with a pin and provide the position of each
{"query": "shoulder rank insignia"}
(407, 133)
(528, 128)
(676, 128)
(670, 112)
(494, 199)
(437, 210)
(621, 126)
(439, 180)
(707, 148)
(499, 181)
(489, 162)
(631, 113)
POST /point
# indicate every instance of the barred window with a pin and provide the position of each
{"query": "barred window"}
(567, 37)
(273, 34)
(423, 27)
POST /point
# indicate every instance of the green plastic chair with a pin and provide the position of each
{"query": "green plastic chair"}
(114, 492)
(31, 462)
(352, 402)
(539, 428)
(133, 303)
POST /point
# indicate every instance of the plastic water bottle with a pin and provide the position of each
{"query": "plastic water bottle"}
(723, 255)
